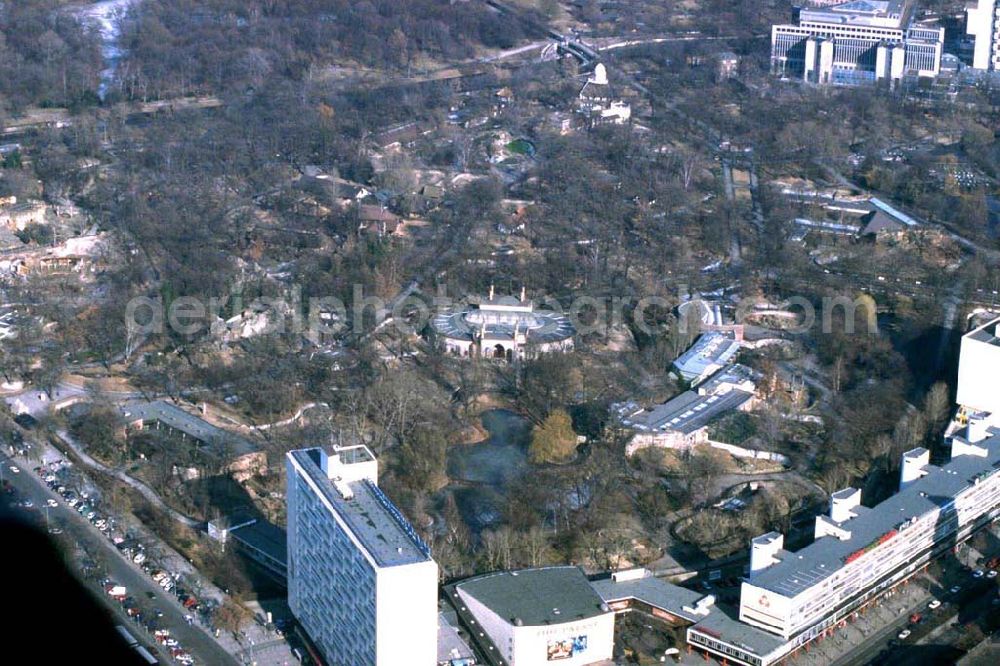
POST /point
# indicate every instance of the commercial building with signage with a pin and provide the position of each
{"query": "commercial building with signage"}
(535, 617)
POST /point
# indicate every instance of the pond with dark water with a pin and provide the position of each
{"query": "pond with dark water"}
(482, 473)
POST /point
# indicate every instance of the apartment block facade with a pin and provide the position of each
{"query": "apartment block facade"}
(859, 553)
(361, 582)
(983, 24)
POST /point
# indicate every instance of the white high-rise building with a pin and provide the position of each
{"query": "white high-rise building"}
(361, 582)
(978, 370)
(983, 23)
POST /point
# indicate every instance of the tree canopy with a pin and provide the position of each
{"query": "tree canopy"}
(554, 440)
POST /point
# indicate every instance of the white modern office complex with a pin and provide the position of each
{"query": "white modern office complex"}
(360, 581)
(863, 41)
(983, 24)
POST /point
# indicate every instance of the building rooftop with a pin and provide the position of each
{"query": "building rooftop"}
(688, 412)
(893, 212)
(652, 591)
(710, 349)
(804, 568)
(867, 13)
(450, 643)
(540, 325)
(877, 221)
(265, 537)
(834, 227)
(171, 415)
(547, 595)
(24, 207)
(371, 517)
(986, 333)
(724, 623)
(733, 375)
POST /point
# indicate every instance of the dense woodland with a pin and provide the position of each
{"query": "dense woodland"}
(205, 202)
(191, 46)
(47, 58)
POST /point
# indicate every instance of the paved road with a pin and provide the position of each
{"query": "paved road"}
(201, 646)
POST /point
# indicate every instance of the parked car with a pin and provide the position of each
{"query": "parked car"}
(904, 634)
(934, 604)
(51, 503)
(978, 573)
(14, 469)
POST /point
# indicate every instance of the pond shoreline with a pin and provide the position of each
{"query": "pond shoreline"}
(481, 472)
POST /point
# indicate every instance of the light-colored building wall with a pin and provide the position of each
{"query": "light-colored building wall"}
(983, 24)
(979, 370)
(356, 611)
(406, 614)
(530, 645)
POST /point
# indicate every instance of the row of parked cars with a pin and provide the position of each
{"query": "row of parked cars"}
(80, 500)
(147, 620)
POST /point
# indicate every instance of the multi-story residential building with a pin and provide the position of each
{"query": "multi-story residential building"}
(863, 41)
(360, 581)
(859, 553)
(983, 24)
(978, 369)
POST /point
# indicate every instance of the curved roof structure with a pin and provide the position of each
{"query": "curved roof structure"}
(497, 319)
